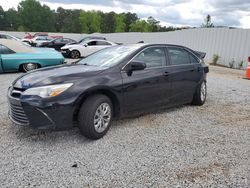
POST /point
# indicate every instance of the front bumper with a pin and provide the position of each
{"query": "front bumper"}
(39, 114)
(65, 53)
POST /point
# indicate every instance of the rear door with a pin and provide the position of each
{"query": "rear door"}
(185, 74)
(147, 89)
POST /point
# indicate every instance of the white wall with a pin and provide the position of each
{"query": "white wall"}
(229, 44)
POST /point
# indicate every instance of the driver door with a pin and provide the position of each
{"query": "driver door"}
(89, 48)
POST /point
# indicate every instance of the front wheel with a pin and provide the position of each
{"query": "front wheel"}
(95, 116)
(29, 67)
(75, 54)
(200, 94)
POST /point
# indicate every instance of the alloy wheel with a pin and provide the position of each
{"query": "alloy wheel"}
(203, 91)
(102, 117)
(29, 67)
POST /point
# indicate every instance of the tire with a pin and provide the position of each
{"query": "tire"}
(29, 67)
(200, 94)
(75, 54)
(91, 122)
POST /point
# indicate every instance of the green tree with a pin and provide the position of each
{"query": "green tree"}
(2, 19)
(108, 22)
(140, 26)
(90, 21)
(207, 22)
(129, 19)
(120, 25)
(36, 17)
(67, 20)
(154, 24)
(12, 20)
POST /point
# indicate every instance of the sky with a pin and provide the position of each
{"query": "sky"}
(233, 13)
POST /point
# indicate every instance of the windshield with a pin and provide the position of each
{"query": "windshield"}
(83, 40)
(108, 57)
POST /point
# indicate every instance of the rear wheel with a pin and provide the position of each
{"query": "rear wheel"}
(75, 54)
(95, 116)
(200, 94)
(29, 67)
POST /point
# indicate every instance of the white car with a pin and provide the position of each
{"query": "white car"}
(85, 48)
(36, 41)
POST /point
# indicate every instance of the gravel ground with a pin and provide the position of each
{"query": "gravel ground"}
(188, 146)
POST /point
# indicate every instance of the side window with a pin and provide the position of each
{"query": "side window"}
(153, 57)
(65, 40)
(5, 50)
(193, 59)
(178, 56)
(8, 37)
(92, 43)
(40, 38)
(101, 43)
(57, 40)
(3, 36)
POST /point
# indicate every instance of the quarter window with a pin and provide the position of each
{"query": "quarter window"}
(152, 57)
(101, 43)
(193, 59)
(5, 50)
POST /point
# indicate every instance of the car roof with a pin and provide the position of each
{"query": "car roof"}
(90, 40)
(154, 44)
(16, 46)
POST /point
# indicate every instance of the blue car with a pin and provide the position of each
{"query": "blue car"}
(16, 56)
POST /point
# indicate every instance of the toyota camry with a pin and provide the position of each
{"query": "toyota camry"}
(113, 83)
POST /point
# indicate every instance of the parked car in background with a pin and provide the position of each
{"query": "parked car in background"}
(15, 56)
(115, 82)
(30, 36)
(8, 36)
(36, 41)
(83, 40)
(84, 49)
(56, 43)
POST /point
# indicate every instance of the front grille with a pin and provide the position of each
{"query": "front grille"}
(18, 115)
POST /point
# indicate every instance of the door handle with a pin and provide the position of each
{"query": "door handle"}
(166, 73)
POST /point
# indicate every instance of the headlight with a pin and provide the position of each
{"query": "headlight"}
(48, 91)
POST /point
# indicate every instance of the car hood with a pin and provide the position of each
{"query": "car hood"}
(67, 46)
(56, 75)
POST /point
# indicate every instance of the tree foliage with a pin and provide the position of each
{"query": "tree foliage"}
(32, 16)
(90, 21)
(207, 22)
(120, 25)
(36, 17)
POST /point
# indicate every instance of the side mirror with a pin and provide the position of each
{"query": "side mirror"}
(85, 45)
(135, 65)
